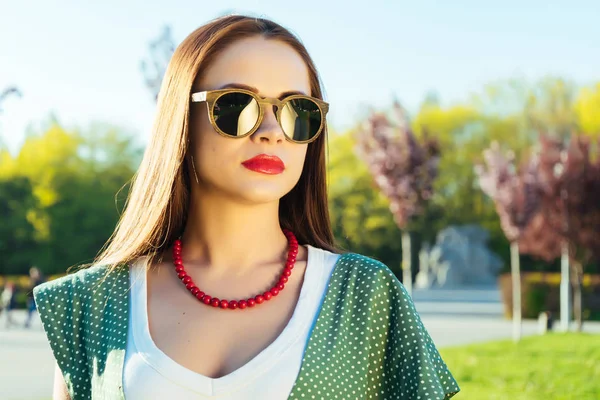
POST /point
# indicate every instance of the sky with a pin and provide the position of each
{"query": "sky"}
(80, 61)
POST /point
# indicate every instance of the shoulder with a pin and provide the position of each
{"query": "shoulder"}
(365, 267)
(71, 284)
(359, 275)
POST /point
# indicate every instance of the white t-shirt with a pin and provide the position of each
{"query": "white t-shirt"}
(149, 373)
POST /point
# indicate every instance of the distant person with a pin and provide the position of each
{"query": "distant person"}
(222, 279)
(35, 279)
(8, 302)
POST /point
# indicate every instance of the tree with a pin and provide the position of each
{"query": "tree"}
(550, 108)
(587, 108)
(402, 168)
(516, 196)
(161, 50)
(17, 233)
(464, 131)
(509, 112)
(360, 214)
(570, 214)
(69, 210)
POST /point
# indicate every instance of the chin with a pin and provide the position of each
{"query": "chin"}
(258, 195)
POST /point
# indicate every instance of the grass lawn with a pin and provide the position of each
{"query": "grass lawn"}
(554, 366)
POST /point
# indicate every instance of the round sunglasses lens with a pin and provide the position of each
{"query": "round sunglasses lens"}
(301, 119)
(236, 113)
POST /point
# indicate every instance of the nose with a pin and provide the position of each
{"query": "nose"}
(269, 129)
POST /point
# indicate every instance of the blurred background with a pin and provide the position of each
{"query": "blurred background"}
(463, 153)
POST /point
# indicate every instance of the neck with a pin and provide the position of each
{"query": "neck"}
(227, 236)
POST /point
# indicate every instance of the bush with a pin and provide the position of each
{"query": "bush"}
(540, 292)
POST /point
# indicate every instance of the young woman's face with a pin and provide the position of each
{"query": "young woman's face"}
(272, 68)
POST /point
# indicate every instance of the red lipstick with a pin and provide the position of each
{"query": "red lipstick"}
(265, 164)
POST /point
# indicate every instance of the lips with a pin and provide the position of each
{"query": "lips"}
(265, 164)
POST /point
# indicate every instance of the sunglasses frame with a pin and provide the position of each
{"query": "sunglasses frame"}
(211, 97)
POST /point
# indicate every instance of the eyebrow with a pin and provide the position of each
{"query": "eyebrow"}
(255, 90)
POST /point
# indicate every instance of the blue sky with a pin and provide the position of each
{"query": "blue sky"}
(81, 60)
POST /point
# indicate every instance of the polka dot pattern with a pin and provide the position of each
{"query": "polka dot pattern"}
(369, 342)
(85, 319)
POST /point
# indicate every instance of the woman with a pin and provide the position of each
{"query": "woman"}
(222, 280)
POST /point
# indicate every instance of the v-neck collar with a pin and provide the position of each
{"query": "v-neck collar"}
(311, 293)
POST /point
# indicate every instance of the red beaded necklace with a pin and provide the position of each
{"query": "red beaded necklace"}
(235, 304)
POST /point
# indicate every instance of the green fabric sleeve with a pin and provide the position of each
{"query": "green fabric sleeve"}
(410, 352)
(85, 319)
(369, 342)
(60, 310)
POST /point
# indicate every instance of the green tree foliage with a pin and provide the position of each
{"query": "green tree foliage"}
(57, 194)
(361, 218)
(512, 112)
(17, 233)
(60, 189)
(587, 108)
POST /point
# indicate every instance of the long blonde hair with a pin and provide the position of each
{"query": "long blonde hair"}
(157, 207)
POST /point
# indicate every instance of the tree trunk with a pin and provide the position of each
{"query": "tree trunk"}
(577, 295)
(565, 299)
(515, 268)
(406, 262)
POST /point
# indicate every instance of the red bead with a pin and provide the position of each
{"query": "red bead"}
(233, 304)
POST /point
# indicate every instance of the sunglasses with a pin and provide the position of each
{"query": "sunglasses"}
(237, 113)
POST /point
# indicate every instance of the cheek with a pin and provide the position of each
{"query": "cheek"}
(210, 149)
(297, 159)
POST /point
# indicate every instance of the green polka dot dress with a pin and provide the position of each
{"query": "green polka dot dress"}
(368, 341)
